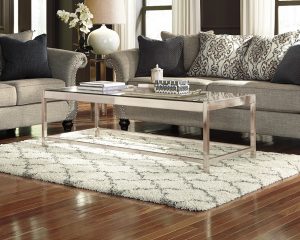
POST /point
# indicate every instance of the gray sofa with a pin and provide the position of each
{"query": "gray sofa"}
(20, 99)
(278, 108)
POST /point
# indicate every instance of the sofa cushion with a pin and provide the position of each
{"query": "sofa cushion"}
(220, 56)
(22, 36)
(288, 71)
(264, 55)
(30, 90)
(270, 96)
(25, 59)
(8, 95)
(167, 54)
(191, 47)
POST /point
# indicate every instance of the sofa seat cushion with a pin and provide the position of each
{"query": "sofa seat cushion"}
(8, 95)
(30, 90)
(269, 96)
(195, 83)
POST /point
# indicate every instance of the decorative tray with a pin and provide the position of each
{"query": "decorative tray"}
(146, 92)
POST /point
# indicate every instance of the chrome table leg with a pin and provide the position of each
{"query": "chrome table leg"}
(44, 119)
(97, 129)
(253, 126)
(206, 138)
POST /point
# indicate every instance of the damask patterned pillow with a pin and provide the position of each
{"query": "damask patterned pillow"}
(220, 56)
(264, 55)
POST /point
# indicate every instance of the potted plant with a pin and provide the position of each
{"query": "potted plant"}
(80, 19)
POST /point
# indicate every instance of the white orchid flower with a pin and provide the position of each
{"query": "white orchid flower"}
(73, 15)
(74, 22)
(83, 16)
(80, 8)
(84, 30)
(88, 24)
(80, 19)
(63, 15)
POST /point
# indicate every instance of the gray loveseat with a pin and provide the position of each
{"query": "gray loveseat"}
(20, 99)
(278, 108)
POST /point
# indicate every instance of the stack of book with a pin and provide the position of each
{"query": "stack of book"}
(102, 86)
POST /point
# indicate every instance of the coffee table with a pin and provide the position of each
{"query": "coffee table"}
(197, 101)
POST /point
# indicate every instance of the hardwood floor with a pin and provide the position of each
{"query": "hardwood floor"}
(32, 209)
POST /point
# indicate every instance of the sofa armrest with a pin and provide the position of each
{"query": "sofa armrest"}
(124, 63)
(65, 64)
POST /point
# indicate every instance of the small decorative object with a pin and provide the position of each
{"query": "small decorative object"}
(104, 40)
(181, 87)
(157, 74)
(80, 19)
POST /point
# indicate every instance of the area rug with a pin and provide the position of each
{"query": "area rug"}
(176, 183)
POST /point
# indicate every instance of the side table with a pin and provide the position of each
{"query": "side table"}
(97, 68)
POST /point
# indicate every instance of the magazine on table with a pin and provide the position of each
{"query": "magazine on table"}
(102, 89)
(101, 86)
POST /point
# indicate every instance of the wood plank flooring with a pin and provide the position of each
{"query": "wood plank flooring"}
(32, 209)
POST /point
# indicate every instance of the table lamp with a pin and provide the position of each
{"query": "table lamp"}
(103, 40)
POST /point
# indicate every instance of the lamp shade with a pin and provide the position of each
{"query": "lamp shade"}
(107, 11)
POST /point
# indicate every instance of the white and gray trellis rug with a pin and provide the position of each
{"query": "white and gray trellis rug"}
(162, 180)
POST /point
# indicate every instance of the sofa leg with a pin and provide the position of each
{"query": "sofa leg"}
(11, 132)
(124, 124)
(67, 125)
(175, 129)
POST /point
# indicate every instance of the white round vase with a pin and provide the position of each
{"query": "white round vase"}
(104, 40)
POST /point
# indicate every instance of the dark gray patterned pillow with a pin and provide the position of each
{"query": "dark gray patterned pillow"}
(264, 55)
(24, 60)
(167, 54)
(220, 56)
(288, 70)
(191, 46)
(22, 36)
